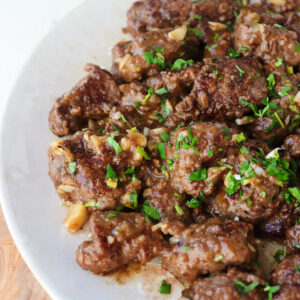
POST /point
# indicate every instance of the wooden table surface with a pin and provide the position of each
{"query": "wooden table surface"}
(16, 280)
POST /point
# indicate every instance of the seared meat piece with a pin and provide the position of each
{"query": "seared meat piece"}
(92, 97)
(286, 272)
(282, 6)
(80, 167)
(209, 247)
(255, 199)
(267, 43)
(217, 10)
(157, 14)
(277, 224)
(288, 292)
(292, 144)
(293, 22)
(169, 204)
(131, 60)
(210, 140)
(118, 239)
(220, 47)
(224, 286)
(293, 240)
(268, 128)
(222, 83)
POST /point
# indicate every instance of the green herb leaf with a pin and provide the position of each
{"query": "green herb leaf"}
(241, 72)
(243, 288)
(92, 204)
(240, 137)
(110, 173)
(165, 288)
(161, 149)
(179, 210)
(180, 64)
(143, 153)
(161, 91)
(198, 175)
(210, 152)
(111, 142)
(219, 258)
(233, 53)
(297, 48)
(271, 290)
(244, 150)
(279, 62)
(196, 32)
(133, 197)
(151, 211)
(165, 137)
(72, 167)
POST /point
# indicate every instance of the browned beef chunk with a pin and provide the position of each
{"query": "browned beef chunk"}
(292, 144)
(92, 97)
(118, 239)
(288, 292)
(209, 247)
(286, 272)
(277, 224)
(220, 46)
(91, 154)
(282, 6)
(217, 10)
(254, 199)
(169, 204)
(224, 286)
(267, 43)
(222, 83)
(293, 240)
(150, 52)
(209, 142)
(154, 14)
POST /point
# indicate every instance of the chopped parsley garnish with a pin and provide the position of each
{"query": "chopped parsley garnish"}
(161, 91)
(295, 192)
(279, 26)
(233, 53)
(194, 202)
(110, 173)
(240, 137)
(298, 268)
(181, 63)
(179, 210)
(143, 153)
(278, 254)
(211, 47)
(242, 288)
(219, 258)
(131, 171)
(72, 167)
(150, 211)
(155, 57)
(245, 49)
(165, 137)
(195, 31)
(133, 197)
(244, 150)
(165, 288)
(197, 17)
(271, 290)
(297, 48)
(232, 184)
(279, 62)
(92, 204)
(113, 143)
(285, 91)
(150, 92)
(210, 152)
(110, 215)
(186, 248)
(161, 149)
(241, 72)
(137, 104)
(216, 37)
(198, 175)
(260, 113)
(226, 130)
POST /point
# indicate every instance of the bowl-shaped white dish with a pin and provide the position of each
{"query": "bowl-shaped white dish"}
(31, 206)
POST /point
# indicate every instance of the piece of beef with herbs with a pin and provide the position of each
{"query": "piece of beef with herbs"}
(282, 6)
(247, 190)
(292, 145)
(293, 240)
(207, 248)
(92, 97)
(233, 285)
(194, 150)
(287, 292)
(90, 167)
(117, 240)
(149, 15)
(152, 52)
(269, 44)
(287, 272)
(277, 224)
(223, 82)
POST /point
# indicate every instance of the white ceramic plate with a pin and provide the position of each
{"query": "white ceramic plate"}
(31, 206)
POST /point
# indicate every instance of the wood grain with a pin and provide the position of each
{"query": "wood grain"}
(16, 280)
